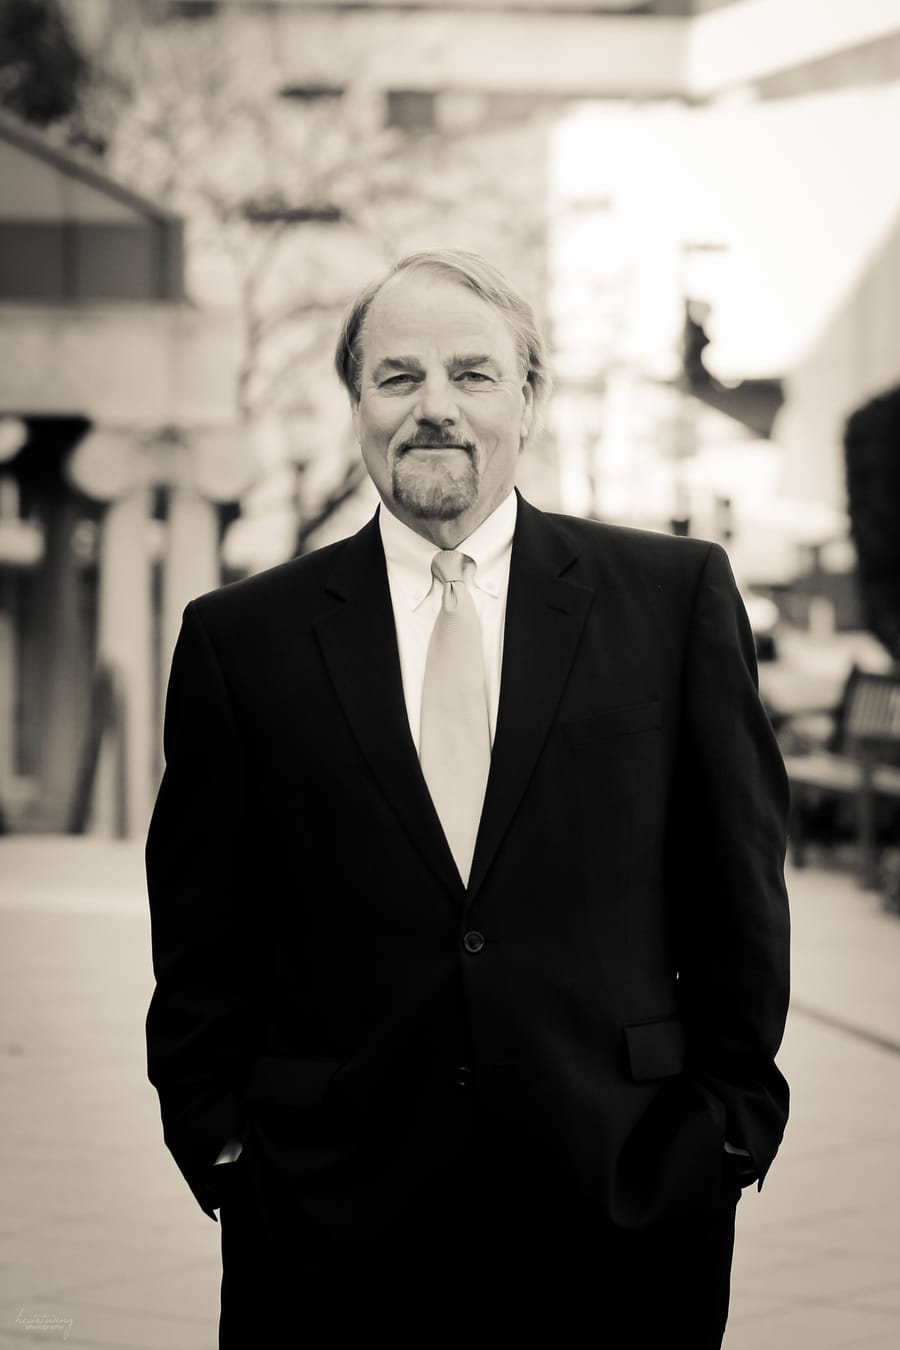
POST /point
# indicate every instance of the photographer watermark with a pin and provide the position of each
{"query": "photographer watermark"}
(44, 1323)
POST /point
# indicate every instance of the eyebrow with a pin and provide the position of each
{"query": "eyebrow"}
(400, 363)
(396, 363)
(466, 361)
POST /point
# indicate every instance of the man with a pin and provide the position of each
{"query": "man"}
(469, 925)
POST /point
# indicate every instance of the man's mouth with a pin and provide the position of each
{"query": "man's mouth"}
(435, 445)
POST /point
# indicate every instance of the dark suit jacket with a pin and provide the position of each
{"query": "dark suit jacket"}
(613, 1014)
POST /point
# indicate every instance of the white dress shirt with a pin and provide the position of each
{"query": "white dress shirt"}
(416, 598)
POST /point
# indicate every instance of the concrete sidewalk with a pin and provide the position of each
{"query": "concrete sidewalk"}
(102, 1247)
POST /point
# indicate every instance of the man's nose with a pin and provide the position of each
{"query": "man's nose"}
(437, 402)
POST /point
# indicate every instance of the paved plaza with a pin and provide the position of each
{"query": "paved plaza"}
(102, 1247)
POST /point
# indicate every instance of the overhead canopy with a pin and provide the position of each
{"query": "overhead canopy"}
(67, 232)
(94, 321)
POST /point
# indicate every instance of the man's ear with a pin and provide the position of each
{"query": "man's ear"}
(354, 414)
(527, 413)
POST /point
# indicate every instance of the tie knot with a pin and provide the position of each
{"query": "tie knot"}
(450, 565)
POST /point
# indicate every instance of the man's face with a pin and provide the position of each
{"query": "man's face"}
(444, 405)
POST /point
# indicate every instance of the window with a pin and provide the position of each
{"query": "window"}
(411, 110)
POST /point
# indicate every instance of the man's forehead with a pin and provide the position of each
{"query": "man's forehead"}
(426, 306)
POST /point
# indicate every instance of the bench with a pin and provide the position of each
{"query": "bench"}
(860, 764)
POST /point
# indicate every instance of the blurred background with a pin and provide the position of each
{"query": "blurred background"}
(696, 196)
(701, 198)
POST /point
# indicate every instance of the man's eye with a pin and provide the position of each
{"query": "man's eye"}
(472, 375)
(398, 379)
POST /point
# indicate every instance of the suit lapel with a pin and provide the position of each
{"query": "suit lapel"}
(359, 647)
(545, 614)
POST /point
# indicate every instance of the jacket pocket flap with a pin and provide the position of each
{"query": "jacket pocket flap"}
(655, 1049)
(283, 1080)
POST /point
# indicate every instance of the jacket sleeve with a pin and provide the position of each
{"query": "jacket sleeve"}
(726, 862)
(199, 1024)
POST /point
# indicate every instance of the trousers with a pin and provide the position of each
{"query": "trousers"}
(561, 1288)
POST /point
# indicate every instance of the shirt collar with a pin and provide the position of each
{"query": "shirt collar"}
(409, 556)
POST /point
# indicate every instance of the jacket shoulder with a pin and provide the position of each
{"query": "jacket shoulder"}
(289, 581)
(648, 548)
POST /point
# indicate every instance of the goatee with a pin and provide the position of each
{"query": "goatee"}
(437, 491)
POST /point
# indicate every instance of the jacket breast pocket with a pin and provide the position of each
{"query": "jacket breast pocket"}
(655, 1049)
(614, 722)
(282, 1080)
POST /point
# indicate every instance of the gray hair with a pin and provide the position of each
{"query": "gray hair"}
(479, 276)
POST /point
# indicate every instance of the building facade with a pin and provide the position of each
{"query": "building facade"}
(116, 426)
(159, 421)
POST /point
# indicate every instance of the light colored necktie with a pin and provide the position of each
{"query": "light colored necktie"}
(455, 735)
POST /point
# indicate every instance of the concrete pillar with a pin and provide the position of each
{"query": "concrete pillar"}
(191, 562)
(9, 509)
(62, 641)
(7, 698)
(124, 644)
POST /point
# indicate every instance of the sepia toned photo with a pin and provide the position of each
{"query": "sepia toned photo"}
(449, 674)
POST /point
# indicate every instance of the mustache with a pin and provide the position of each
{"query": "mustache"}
(436, 438)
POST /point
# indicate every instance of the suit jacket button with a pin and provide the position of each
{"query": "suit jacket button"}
(463, 1076)
(473, 942)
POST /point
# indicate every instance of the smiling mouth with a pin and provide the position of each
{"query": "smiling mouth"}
(443, 446)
